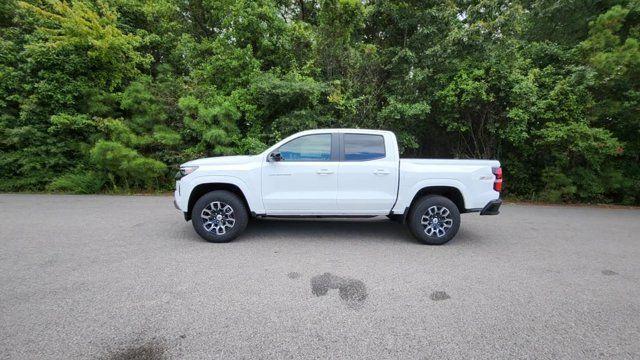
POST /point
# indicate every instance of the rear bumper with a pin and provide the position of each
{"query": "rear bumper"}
(492, 207)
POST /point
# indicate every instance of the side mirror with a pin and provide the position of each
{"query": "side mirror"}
(275, 156)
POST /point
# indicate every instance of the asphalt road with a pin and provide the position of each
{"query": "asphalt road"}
(119, 277)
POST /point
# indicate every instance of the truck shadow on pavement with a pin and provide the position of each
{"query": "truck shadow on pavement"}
(333, 229)
(374, 229)
(304, 229)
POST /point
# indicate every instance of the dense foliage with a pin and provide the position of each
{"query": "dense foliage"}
(111, 95)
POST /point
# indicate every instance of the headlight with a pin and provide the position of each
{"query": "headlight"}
(185, 170)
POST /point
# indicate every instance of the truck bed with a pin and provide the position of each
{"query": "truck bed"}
(473, 178)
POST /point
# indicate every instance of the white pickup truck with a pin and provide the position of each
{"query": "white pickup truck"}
(336, 173)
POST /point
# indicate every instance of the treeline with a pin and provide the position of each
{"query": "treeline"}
(112, 95)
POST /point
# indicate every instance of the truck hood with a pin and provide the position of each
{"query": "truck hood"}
(220, 160)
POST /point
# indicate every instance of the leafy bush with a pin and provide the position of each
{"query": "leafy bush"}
(125, 165)
(86, 182)
(127, 89)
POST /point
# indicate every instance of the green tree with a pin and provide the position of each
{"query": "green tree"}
(109, 95)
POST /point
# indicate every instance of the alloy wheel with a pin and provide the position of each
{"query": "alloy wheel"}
(218, 217)
(436, 221)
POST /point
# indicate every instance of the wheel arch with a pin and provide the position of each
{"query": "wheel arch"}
(201, 189)
(450, 192)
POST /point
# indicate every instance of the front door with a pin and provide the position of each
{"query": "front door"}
(305, 181)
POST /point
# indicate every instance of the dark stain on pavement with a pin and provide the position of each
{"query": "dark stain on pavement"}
(439, 295)
(609, 272)
(352, 292)
(293, 275)
(150, 350)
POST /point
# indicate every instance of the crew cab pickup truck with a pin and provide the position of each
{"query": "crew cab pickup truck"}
(336, 173)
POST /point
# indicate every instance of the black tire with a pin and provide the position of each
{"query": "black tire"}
(222, 198)
(442, 235)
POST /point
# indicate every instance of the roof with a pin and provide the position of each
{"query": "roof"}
(347, 130)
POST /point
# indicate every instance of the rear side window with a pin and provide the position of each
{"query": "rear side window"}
(307, 148)
(361, 147)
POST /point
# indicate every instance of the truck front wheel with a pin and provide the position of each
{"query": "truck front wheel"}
(434, 220)
(219, 216)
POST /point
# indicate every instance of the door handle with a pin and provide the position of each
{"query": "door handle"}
(381, 172)
(324, 172)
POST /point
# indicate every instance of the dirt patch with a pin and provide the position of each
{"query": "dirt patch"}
(351, 291)
(439, 296)
(150, 350)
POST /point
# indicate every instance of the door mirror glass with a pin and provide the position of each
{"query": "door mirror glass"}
(275, 156)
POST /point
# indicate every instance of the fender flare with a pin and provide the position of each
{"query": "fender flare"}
(406, 198)
(253, 199)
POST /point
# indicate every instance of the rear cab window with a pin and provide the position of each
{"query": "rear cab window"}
(363, 147)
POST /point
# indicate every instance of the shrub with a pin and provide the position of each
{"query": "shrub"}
(126, 166)
(85, 182)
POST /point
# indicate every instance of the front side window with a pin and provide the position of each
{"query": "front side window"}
(361, 147)
(307, 148)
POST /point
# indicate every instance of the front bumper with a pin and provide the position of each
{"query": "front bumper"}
(176, 199)
(492, 207)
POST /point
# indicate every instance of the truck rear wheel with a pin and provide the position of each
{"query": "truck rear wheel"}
(219, 216)
(434, 220)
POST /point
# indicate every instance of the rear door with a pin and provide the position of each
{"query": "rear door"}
(305, 182)
(368, 174)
